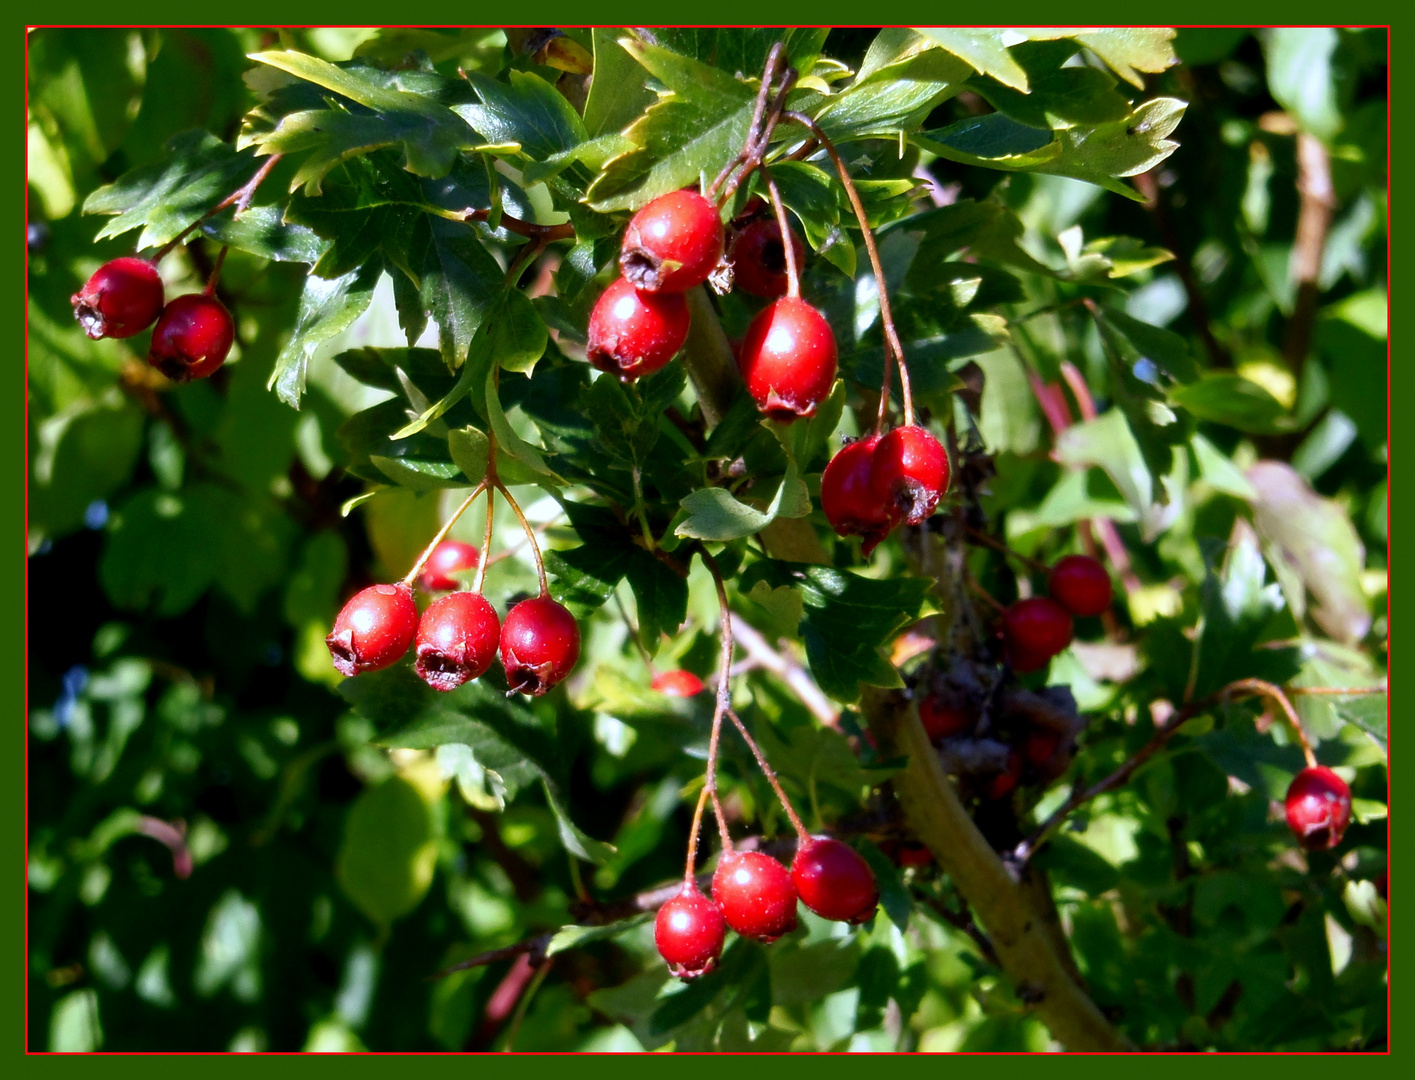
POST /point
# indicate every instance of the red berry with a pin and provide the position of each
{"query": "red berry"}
(911, 854)
(449, 558)
(1080, 585)
(635, 333)
(121, 299)
(456, 640)
(941, 720)
(1318, 808)
(909, 473)
(1001, 785)
(759, 258)
(688, 932)
(834, 881)
(850, 506)
(755, 894)
(374, 629)
(191, 338)
(1041, 745)
(1382, 883)
(1036, 630)
(788, 359)
(677, 683)
(672, 244)
(540, 642)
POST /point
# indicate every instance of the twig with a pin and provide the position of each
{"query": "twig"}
(242, 197)
(773, 61)
(783, 667)
(980, 537)
(547, 234)
(962, 921)
(1314, 186)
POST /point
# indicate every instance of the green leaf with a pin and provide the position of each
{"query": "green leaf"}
(994, 141)
(1220, 471)
(471, 450)
(617, 94)
(1127, 51)
(327, 308)
(984, 51)
(1101, 153)
(262, 231)
(518, 333)
(572, 937)
(460, 286)
(893, 896)
(1108, 442)
(660, 597)
(529, 112)
(418, 475)
(1302, 76)
(389, 851)
(894, 99)
(1226, 398)
(575, 841)
(713, 514)
(511, 444)
(583, 578)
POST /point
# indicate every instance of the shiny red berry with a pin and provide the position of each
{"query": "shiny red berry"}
(456, 640)
(635, 333)
(909, 473)
(448, 559)
(374, 630)
(941, 719)
(756, 895)
(1036, 629)
(1080, 585)
(540, 642)
(1001, 785)
(850, 505)
(834, 881)
(689, 932)
(1318, 808)
(192, 337)
(121, 299)
(759, 258)
(672, 244)
(788, 359)
(1041, 745)
(677, 683)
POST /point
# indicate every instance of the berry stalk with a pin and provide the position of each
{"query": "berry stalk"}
(530, 534)
(793, 273)
(417, 569)
(770, 775)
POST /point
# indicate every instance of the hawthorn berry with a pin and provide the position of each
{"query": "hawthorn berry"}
(755, 894)
(677, 683)
(192, 337)
(449, 558)
(850, 505)
(540, 642)
(941, 719)
(689, 932)
(635, 333)
(788, 359)
(1035, 629)
(913, 854)
(1080, 585)
(456, 640)
(374, 630)
(1041, 745)
(1001, 785)
(834, 881)
(909, 473)
(759, 258)
(1318, 808)
(672, 244)
(121, 298)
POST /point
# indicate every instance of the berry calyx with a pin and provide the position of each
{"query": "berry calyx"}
(834, 881)
(540, 642)
(374, 630)
(1001, 785)
(1080, 585)
(909, 473)
(121, 298)
(756, 895)
(689, 932)
(788, 359)
(456, 640)
(677, 683)
(759, 258)
(192, 337)
(634, 333)
(449, 558)
(1036, 629)
(672, 244)
(941, 719)
(1318, 808)
(850, 505)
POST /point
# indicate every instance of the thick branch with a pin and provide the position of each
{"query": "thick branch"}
(1313, 220)
(708, 359)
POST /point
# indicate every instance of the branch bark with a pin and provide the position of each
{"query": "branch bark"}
(1313, 221)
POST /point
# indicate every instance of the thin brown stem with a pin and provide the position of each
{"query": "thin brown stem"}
(793, 272)
(980, 537)
(770, 775)
(530, 535)
(417, 569)
(215, 278)
(773, 61)
(547, 234)
(984, 595)
(242, 197)
(1274, 693)
(692, 862)
(724, 694)
(484, 558)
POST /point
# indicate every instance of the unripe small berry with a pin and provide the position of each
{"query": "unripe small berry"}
(677, 683)
(759, 258)
(1080, 585)
(834, 881)
(941, 719)
(456, 640)
(909, 473)
(787, 359)
(850, 505)
(672, 244)
(540, 642)
(1036, 629)
(1318, 808)
(635, 333)
(374, 629)
(121, 298)
(755, 894)
(192, 337)
(689, 932)
(449, 558)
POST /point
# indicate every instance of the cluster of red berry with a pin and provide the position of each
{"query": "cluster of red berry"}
(1038, 628)
(124, 296)
(879, 482)
(756, 896)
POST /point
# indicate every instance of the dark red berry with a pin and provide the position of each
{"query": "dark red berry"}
(689, 932)
(759, 258)
(911, 854)
(909, 473)
(1036, 629)
(788, 359)
(1318, 808)
(192, 337)
(540, 642)
(1382, 883)
(941, 719)
(121, 299)
(755, 894)
(635, 333)
(1080, 585)
(374, 629)
(1001, 785)
(449, 558)
(1041, 745)
(456, 640)
(850, 505)
(672, 244)
(677, 683)
(834, 881)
